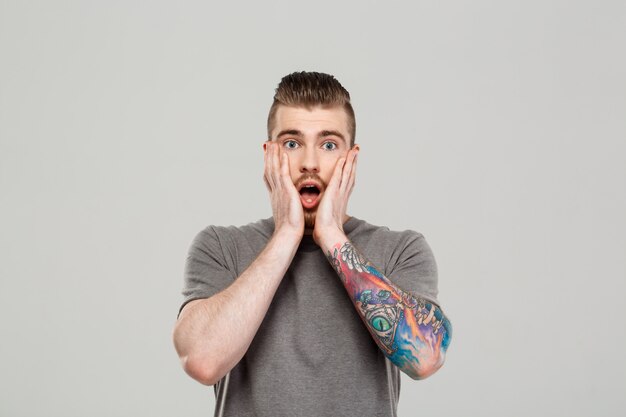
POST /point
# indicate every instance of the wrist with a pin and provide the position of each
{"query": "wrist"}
(288, 235)
(329, 238)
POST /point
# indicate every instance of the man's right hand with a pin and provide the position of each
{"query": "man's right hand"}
(285, 199)
(213, 334)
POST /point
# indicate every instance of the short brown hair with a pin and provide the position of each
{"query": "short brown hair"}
(309, 89)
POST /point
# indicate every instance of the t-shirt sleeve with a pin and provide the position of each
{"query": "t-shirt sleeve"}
(412, 266)
(206, 270)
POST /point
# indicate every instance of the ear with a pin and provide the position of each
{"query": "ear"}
(356, 147)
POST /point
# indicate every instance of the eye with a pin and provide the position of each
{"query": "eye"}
(290, 144)
(329, 146)
(380, 323)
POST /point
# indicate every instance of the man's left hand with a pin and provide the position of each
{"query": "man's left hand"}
(331, 211)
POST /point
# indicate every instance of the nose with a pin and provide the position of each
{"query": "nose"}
(310, 162)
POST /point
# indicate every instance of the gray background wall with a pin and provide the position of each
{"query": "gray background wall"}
(495, 128)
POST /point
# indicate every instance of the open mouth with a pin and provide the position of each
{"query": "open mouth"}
(309, 194)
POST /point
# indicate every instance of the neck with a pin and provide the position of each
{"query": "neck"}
(309, 232)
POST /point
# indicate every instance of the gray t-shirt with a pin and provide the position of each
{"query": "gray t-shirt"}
(312, 355)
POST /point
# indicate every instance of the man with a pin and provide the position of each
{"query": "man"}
(311, 312)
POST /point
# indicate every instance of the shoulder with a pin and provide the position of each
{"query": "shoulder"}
(261, 228)
(385, 236)
(236, 246)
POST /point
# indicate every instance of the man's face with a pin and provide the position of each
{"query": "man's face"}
(314, 140)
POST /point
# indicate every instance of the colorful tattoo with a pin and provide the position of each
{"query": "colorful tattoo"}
(412, 332)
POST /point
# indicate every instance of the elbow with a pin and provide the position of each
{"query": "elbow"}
(430, 360)
(200, 367)
(201, 370)
(425, 368)
(423, 372)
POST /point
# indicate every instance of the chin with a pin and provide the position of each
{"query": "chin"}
(309, 219)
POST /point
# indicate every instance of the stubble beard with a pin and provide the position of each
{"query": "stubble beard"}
(309, 219)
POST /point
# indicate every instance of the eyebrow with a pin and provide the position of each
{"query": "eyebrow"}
(322, 134)
(289, 132)
(325, 133)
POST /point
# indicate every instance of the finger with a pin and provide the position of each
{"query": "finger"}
(353, 174)
(270, 165)
(284, 170)
(347, 171)
(276, 164)
(336, 178)
(265, 166)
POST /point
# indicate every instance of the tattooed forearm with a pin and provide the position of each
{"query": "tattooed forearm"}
(412, 332)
